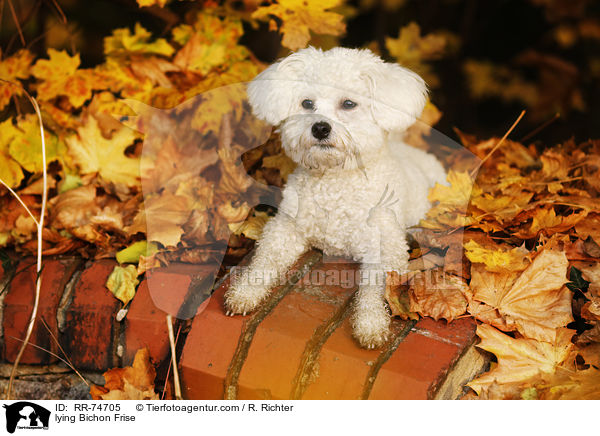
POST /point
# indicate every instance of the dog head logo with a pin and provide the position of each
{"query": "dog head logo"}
(26, 415)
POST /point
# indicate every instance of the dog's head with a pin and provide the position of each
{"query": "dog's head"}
(334, 108)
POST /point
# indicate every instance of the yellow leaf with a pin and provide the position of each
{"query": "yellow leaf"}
(122, 282)
(451, 202)
(547, 222)
(253, 226)
(148, 3)
(123, 42)
(521, 359)
(12, 68)
(95, 154)
(299, 17)
(497, 259)
(10, 170)
(25, 146)
(210, 43)
(411, 50)
(84, 215)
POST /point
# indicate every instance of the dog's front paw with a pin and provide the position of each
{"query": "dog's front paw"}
(243, 298)
(371, 326)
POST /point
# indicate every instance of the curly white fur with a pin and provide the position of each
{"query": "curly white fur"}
(354, 192)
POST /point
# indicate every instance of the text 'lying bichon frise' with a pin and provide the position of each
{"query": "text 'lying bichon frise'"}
(355, 191)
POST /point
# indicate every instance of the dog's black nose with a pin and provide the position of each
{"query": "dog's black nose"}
(321, 130)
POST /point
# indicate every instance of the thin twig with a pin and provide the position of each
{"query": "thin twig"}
(40, 227)
(497, 145)
(176, 384)
(53, 355)
(164, 389)
(62, 15)
(16, 20)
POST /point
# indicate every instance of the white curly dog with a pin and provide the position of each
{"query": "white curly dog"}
(355, 191)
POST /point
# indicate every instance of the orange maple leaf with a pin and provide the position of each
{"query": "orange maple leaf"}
(60, 76)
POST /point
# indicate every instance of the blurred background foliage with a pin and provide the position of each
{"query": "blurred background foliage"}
(490, 59)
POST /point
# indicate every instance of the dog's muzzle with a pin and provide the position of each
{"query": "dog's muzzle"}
(321, 130)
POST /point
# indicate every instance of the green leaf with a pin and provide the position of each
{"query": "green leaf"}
(132, 253)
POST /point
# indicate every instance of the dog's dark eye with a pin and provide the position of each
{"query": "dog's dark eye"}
(308, 104)
(348, 104)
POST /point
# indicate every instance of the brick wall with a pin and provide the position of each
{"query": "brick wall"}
(299, 345)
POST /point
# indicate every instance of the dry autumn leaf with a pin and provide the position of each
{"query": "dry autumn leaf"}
(536, 302)
(520, 359)
(60, 75)
(450, 202)
(396, 294)
(93, 153)
(134, 382)
(12, 68)
(123, 42)
(162, 218)
(437, 294)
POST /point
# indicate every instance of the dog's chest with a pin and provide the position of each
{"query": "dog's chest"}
(331, 214)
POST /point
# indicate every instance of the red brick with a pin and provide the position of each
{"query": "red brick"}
(209, 348)
(168, 286)
(458, 331)
(417, 364)
(19, 303)
(343, 367)
(145, 324)
(279, 342)
(90, 320)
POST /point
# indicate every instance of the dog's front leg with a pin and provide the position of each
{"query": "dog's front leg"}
(387, 250)
(278, 248)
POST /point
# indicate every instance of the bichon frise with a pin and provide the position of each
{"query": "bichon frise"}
(355, 191)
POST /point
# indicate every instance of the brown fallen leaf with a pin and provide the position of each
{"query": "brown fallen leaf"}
(162, 218)
(396, 294)
(520, 359)
(134, 382)
(437, 294)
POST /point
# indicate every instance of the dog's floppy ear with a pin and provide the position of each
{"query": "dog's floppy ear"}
(398, 95)
(271, 93)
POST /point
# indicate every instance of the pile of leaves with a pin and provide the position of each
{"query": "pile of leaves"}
(516, 245)
(153, 155)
